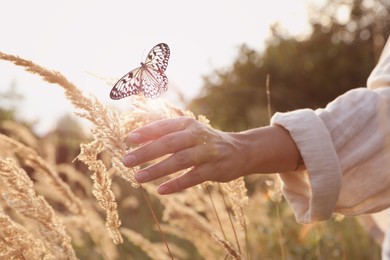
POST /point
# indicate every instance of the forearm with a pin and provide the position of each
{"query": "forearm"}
(268, 150)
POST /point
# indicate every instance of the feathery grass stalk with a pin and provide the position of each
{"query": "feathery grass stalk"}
(77, 207)
(21, 196)
(280, 235)
(102, 188)
(268, 93)
(246, 238)
(229, 249)
(107, 130)
(155, 220)
(106, 122)
(318, 240)
(151, 249)
(18, 243)
(32, 159)
(206, 186)
(276, 198)
(230, 217)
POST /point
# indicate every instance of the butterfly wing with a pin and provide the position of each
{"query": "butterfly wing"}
(153, 82)
(129, 84)
(154, 79)
(158, 57)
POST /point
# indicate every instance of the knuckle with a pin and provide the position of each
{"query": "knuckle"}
(200, 133)
(214, 150)
(188, 120)
(182, 159)
(194, 177)
(184, 122)
(165, 126)
(168, 142)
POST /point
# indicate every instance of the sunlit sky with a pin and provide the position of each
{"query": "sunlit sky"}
(91, 42)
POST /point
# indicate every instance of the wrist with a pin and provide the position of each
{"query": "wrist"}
(268, 149)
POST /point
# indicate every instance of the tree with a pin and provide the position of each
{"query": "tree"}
(9, 100)
(337, 56)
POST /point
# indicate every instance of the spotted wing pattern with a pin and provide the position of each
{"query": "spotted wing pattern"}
(149, 78)
(158, 57)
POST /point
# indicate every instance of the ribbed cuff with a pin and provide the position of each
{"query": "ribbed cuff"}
(313, 192)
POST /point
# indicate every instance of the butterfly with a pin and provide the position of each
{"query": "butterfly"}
(149, 78)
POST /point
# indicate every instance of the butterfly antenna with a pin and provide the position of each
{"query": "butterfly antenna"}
(143, 53)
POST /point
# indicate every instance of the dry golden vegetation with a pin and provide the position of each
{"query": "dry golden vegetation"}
(55, 211)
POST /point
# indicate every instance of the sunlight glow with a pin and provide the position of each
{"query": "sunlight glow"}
(80, 38)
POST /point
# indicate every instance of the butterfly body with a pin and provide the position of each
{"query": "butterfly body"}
(149, 78)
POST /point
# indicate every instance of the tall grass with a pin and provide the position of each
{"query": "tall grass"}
(43, 216)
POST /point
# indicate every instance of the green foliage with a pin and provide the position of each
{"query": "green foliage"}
(334, 58)
(234, 96)
(68, 135)
(8, 103)
(313, 72)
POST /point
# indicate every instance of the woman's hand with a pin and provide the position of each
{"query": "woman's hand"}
(209, 154)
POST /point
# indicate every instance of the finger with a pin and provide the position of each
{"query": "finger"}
(191, 178)
(167, 144)
(158, 128)
(181, 160)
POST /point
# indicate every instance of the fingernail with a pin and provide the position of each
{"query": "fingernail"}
(163, 189)
(141, 176)
(128, 160)
(134, 137)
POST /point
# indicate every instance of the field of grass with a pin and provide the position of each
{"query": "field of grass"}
(90, 207)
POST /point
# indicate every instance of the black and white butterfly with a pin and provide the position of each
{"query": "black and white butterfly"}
(149, 79)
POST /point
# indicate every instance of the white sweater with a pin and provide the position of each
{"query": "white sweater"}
(346, 152)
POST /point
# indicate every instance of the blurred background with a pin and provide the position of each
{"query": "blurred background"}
(220, 50)
(221, 55)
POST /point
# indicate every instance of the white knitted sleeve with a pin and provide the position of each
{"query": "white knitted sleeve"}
(346, 151)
